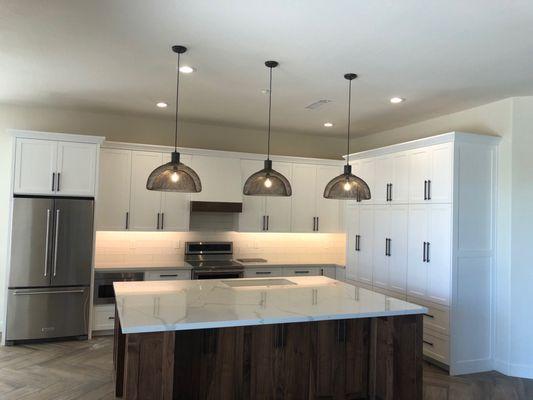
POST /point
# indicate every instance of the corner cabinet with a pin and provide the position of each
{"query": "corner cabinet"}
(428, 236)
(48, 167)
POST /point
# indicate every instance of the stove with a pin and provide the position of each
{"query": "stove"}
(212, 260)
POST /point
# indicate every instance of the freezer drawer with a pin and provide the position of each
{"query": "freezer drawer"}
(47, 313)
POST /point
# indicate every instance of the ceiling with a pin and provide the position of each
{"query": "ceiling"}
(442, 56)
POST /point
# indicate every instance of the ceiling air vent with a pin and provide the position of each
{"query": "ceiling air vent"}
(317, 104)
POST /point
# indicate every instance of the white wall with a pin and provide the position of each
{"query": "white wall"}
(512, 119)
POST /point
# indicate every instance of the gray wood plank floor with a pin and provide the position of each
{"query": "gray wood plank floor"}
(83, 370)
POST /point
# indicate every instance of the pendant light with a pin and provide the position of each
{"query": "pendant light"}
(175, 176)
(347, 186)
(268, 182)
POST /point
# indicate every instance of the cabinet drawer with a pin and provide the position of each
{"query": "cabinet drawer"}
(301, 271)
(167, 275)
(104, 317)
(262, 272)
(437, 318)
(437, 346)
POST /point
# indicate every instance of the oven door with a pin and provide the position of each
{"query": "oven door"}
(217, 274)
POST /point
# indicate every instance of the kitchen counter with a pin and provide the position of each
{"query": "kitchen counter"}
(183, 305)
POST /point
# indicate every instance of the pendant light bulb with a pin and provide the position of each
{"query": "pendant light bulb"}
(268, 181)
(174, 176)
(347, 186)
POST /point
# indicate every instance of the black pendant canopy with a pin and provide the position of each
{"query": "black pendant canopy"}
(347, 186)
(268, 182)
(175, 176)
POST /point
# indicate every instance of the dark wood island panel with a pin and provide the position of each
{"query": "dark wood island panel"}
(367, 358)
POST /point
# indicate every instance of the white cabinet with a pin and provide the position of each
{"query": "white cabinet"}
(263, 272)
(219, 177)
(391, 179)
(263, 213)
(103, 317)
(145, 204)
(175, 207)
(430, 174)
(429, 254)
(59, 168)
(113, 202)
(301, 271)
(311, 212)
(360, 237)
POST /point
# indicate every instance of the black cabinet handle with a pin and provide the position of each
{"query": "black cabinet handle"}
(53, 181)
(168, 275)
(427, 252)
(268, 222)
(263, 272)
(162, 220)
(429, 190)
(387, 247)
(58, 181)
(127, 220)
(428, 343)
(429, 315)
(425, 190)
(110, 317)
(317, 223)
(158, 214)
(390, 192)
(301, 272)
(357, 242)
(424, 253)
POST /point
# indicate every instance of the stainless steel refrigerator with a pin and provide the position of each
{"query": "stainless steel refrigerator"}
(50, 268)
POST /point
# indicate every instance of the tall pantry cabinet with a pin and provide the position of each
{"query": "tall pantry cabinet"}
(428, 236)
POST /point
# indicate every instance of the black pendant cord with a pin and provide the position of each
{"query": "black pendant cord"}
(269, 112)
(177, 103)
(349, 117)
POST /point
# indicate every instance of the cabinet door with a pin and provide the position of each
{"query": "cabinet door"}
(419, 172)
(417, 267)
(220, 177)
(367, 174)
(35, 164)
(113, 203)
(328, 210)
(364, 262)
(253, 207)
(398, 248)
(380, 275)
(352, 229)
(76, 169)
(175, 207)
(400, 178)
(439, 264)
(303, 197)
(278, 209)
(441, 186)
(145, 204)
(382, 178)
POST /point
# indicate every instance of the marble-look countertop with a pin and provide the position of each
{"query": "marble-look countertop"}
(157, 306)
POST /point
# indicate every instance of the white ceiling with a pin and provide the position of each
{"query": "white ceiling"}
(442, 56)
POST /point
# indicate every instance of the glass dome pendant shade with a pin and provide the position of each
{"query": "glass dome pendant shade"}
(175, 176)
(268, 182)
(347, 186)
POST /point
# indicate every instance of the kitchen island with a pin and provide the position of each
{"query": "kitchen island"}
(265, 338)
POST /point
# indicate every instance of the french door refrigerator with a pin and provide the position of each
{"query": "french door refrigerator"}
(50, 274)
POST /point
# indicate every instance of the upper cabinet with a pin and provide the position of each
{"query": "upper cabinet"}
(430, 174)
(55, 167)
(220, 177)
(311, 212)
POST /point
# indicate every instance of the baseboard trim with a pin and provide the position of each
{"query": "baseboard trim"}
(471, 366)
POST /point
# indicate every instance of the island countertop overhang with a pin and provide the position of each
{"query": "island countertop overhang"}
(159, 306)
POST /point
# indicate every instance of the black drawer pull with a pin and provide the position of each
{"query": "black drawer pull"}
(263, 272)
(428, 343)
(168, 276)
(301, 272)
(429, 315)
(110, 317)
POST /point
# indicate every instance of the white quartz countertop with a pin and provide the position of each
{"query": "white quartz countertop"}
(157, 306)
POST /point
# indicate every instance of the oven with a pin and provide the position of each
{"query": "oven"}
(103, 284)
(212, 260)
(217, 274)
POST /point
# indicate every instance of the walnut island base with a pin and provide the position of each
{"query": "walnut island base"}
(337, 358)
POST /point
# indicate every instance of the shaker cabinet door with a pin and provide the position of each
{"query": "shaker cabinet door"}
(328, 210)
(380, 274)
(113, 202)
(439, 253)
(419, 174)
(417, 267)
(175, 207)
(76, 169)
(365, 253)
(382, 178)
(399, 220)
(352, 230)
(400, 178)
(440, 187)
(35, 166)
(303, 197)
(252, 218)
(279, 209)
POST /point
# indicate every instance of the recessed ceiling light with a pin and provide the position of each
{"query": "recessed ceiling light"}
(396, 100)
(162, 104)
(186, 69)
(328, 124)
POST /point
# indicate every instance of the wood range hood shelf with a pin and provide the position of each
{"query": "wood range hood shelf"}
(216, 206)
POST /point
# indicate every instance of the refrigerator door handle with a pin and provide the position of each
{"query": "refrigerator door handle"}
(56, 234)
(20, 292)
(47, 242)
